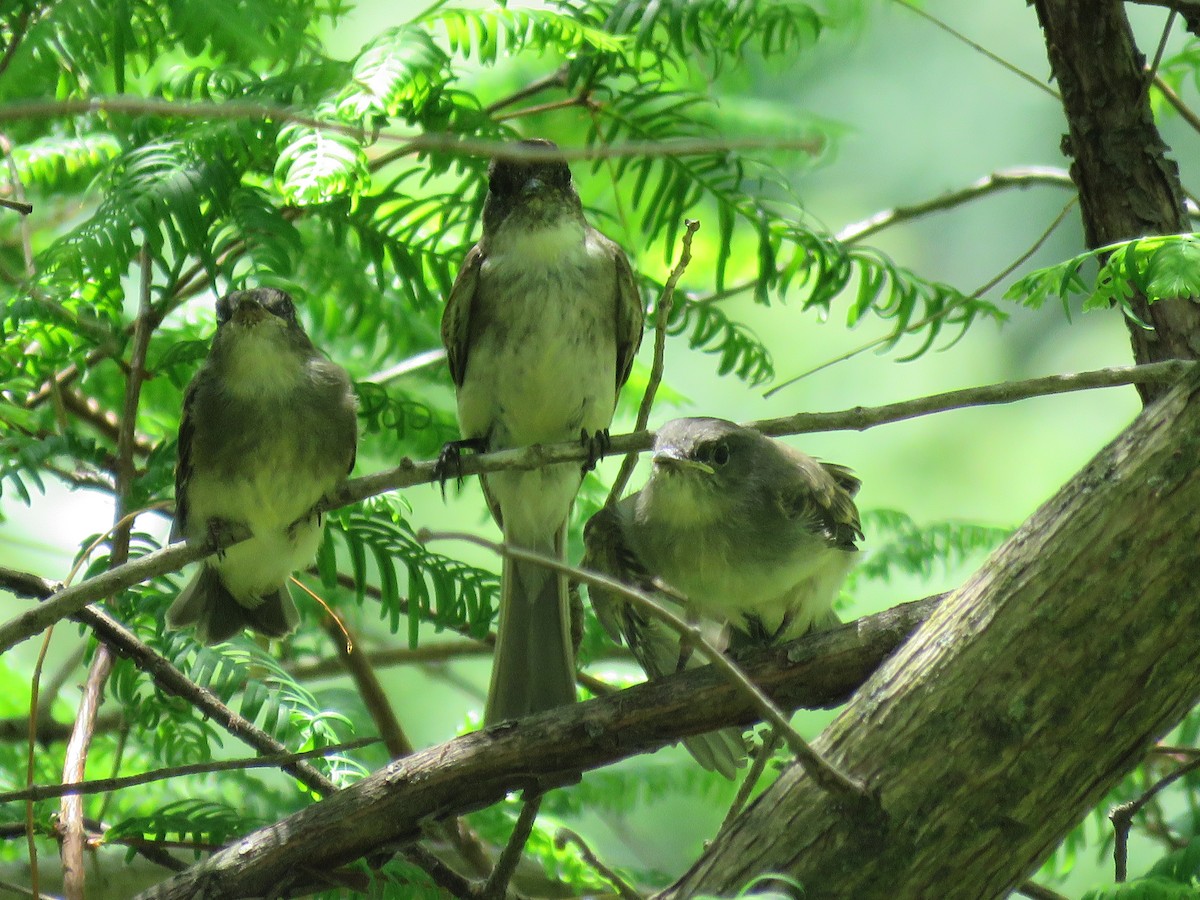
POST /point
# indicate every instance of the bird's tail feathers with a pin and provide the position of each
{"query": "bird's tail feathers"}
(723, 750)
(534, 667)
(217, 615)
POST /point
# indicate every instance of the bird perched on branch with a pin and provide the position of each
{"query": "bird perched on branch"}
(541, 328)
(756, 535)
(268, 429)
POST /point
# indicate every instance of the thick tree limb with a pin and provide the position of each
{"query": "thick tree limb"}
(1026, 696)
(550, 749)
(1128, 187)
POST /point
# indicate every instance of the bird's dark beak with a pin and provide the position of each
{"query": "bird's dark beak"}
(673, 459)
(249, 311)
(533, 186)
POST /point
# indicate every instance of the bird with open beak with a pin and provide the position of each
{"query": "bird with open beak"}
(758, 537)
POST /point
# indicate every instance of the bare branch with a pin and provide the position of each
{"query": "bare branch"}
(103, 785)
(424, 142)
(479, 768)
(662, 312)
(69, 601)
(1004, 179)
(830, 779)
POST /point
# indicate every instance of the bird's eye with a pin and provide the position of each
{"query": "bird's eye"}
(720, 454)
(283, 308)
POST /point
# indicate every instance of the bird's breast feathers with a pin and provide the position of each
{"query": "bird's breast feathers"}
(543, 354)
(265, 367)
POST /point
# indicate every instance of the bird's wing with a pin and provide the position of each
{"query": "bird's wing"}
(606, 551)
(630, 317)
(821, 498)
(456, 320)
(183, 462)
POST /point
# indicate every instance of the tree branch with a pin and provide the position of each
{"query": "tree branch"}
(551, 748)
(1020, 177)
(422, 142)
(104, 785)
(409, 473)
(1073, 649)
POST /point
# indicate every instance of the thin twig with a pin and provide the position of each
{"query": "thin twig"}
(117, 783)
(1122, 815)
(1185, 112)
(14, 177)
(624, 889)
(1000, 180)
(31, 761)
(426, 653)
(819, 769)
(423, 142)
(373, 695)
(556, 79)
(17, 206)
(496, 885)
(1152, 71)
(69, 601)
(941, 314)
(442, 875)
(414, 363)
(662, 313)
(75, 759)
(20, 28)
(769, 742)
(105, 422)
(1001, 61)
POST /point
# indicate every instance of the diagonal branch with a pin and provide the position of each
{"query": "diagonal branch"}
(70, 600)
(480, 768)
(168, 678)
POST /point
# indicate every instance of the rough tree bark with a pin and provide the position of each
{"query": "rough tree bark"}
(1021, 701)
(1127, 186)
(1041, 681)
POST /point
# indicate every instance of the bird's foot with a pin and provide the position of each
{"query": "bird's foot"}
(223, 531)
(596, 443)
(449, 461)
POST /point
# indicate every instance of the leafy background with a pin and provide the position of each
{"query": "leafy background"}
(368, 233)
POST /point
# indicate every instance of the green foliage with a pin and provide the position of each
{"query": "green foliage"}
(1157, 268)
(898, 545)
(1174, 877)
(200, 822)
(440, 590)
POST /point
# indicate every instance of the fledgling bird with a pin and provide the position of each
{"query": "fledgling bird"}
(541, 328)
(268, 429)
(756, 535)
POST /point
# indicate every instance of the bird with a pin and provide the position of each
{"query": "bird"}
(757, 536)
(541, 328)
(268, 429)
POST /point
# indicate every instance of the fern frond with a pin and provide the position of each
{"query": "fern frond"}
(719, 30)
(898, 545)
(484, 34)
(64, 162)
(710, 330)
(396, 74)
(1160, 267)
(317, 165)
(440, 590)
(206, 823)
